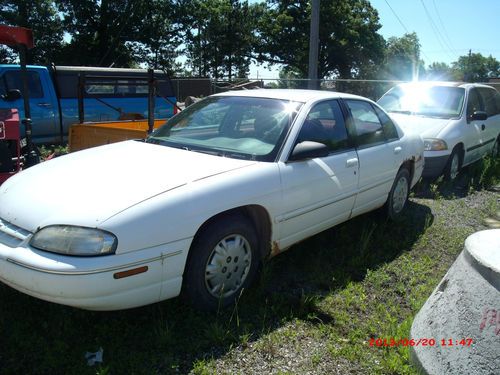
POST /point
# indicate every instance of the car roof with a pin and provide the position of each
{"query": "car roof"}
(290, 94)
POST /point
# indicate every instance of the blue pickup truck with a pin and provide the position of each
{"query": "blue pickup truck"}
(62, 96)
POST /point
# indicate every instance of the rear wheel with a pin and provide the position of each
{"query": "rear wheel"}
(454, 164)
(222, 262)
(398, 196)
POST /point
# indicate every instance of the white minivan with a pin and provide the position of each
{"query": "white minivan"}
(459, 122)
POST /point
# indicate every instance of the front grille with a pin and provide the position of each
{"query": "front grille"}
(11, 235)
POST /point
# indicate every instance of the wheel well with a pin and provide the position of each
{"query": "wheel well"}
(460, 148)
(461, 153)
(410, 166)
(257, 215)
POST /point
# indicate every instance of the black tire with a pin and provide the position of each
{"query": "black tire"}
(453, 165)
(398, 196)
(229, 248)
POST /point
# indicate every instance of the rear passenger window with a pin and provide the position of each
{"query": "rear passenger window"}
(390, 131)
(369, 130)
(325, 124)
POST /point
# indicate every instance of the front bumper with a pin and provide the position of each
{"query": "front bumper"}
(434, 164)
(91, 282)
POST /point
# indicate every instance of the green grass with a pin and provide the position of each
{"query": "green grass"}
(315, 308)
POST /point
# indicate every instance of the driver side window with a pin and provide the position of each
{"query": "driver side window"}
(11, 80)
(325, 124)
(473, 103)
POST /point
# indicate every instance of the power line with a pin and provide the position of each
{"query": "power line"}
(403, 25)
(442, 26)
(397, 17)
(436, 31)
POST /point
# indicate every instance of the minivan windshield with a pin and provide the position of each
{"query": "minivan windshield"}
(231, 126)
(424, 100)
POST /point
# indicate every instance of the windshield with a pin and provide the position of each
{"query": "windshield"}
(424, 100)
(231, 126)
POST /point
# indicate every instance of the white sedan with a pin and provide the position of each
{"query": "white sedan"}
(230, 181)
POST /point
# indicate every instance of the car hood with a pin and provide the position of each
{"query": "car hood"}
(427, 127)
(87, 187)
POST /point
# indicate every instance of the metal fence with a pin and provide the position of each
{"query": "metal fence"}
(201, 87)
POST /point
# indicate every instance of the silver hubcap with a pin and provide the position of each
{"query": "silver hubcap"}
(454, 167)
(400, 194)
(228, 266)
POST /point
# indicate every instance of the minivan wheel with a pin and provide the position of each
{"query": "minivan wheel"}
(453, 166)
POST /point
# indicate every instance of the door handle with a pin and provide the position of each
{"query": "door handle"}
(483, 127)
(44, 105)
(397, 150)
(351, 162)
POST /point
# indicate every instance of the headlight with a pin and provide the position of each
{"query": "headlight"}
(71, 240)
(434, 144)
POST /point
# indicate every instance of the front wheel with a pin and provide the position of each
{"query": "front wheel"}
(398, 196)
(222, 262)
(453, 166)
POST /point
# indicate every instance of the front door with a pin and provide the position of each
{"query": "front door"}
(319, 193)
(43, 112)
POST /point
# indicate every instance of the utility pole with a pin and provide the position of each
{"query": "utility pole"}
(313, 45)
(468, 74)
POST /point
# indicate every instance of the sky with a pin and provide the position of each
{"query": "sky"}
(447, 29)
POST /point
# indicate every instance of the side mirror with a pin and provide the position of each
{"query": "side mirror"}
(309, 150)
(12, 95)
(479, 116)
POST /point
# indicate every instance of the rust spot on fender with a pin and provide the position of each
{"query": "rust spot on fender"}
(275, 249)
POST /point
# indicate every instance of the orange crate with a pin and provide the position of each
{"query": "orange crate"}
(86, 135)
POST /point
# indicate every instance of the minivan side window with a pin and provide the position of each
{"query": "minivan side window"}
(369, 130)
(325, 124)
(473, 103)
(490, 100)
(11, 80)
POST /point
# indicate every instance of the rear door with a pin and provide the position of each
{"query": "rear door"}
(319, 193)
(380, 153)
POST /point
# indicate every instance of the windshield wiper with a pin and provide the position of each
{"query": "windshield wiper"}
(435, 115)
(209, 152)
(402, 112)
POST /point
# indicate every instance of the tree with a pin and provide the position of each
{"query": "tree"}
(159, 38)
(40, 16)
(439, 71)
(100, 31)
(476, 68)
(403, 58)
(350, 45)
(221, 37)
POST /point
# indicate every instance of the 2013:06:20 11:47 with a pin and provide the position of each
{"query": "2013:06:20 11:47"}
(420, 342)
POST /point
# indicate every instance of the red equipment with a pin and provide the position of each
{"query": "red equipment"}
(10, 148)
(12, 36)
(10, 137)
